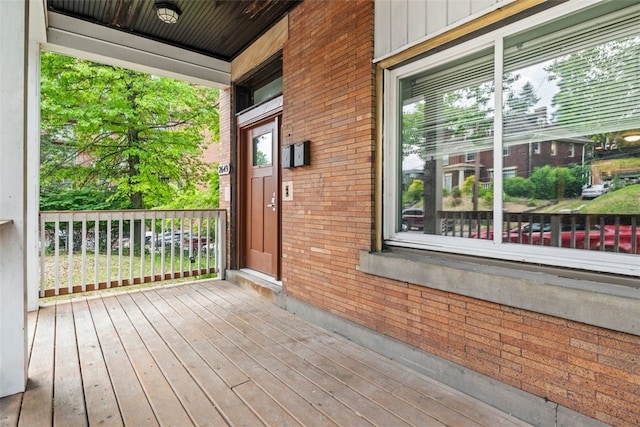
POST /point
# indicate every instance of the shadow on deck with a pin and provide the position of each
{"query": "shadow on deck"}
(212, 353)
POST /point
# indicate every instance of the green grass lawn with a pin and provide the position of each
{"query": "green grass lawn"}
(624, 201)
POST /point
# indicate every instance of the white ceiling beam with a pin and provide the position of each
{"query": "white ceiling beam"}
(97, 43)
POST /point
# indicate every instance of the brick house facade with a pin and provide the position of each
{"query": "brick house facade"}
(555, 365)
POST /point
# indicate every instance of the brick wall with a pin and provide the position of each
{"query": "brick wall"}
(329, 100)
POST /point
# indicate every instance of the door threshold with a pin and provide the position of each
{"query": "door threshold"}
(261, 283)
(262, 276)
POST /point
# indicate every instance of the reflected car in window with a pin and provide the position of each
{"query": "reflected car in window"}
(594, 190)
(412, 218)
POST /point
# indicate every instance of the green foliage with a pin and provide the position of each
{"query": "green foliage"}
(456, 193)
(414, 193)
(467, 185)
(556, 183)
(107, 127)
(519, 104)
(598, 80)
(83, 198)
(192, 198)
(487, 194)
(624, 201)
(543, 185)
(518, 187)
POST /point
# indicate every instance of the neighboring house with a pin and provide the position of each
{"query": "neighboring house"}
(312, 125)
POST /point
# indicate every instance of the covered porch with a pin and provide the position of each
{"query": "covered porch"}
(213, 353)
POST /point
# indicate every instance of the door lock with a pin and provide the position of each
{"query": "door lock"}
(272, 205)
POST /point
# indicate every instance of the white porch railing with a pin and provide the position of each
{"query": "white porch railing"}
(89, 250)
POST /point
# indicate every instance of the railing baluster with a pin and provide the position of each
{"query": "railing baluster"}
(70, 256)
(617, 236)
(85, 242)
(634, 236)
(152, 247)
(142, 249)
(43, 249)
(163, 244)
(56, 233)
(96, 254)
(108, 278)
(174, 244)
(131, 249)
(120, 251)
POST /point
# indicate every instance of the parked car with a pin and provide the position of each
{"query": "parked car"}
(594, 190)
(412, 218)
(195, 241)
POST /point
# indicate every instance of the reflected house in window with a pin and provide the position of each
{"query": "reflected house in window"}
(532, 142)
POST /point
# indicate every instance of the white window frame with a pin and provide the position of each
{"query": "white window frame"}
(554, 148)
(575, 259)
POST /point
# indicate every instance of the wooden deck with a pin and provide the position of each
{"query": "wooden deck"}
(211, 353)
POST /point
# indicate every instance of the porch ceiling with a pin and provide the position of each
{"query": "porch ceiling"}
(219, 29)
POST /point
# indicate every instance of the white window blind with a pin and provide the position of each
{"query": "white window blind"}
(448, 111)
(585, 80)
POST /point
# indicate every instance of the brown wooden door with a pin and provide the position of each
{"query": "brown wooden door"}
(261, 199)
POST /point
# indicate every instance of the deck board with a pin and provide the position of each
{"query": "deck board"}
(211, 353)
(345, 391)
(166, 405)
(437, 399)
(102, 405)
(37, 401)
(247, 359)
(194, 401)
(134, 407)
(69, 407)
(183, 339)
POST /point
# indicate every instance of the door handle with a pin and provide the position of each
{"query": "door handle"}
(272, 205)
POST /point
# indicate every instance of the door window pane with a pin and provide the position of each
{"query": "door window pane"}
(262, 149)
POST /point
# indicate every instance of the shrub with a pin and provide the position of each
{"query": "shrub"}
(467, 185)
(518, 187)
(414, 193)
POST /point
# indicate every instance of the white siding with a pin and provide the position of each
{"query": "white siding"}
(402, 23)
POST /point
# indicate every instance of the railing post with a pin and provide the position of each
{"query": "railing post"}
(556, 228)
(221, 244)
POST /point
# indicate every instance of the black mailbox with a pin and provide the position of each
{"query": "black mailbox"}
(287, 156)
(301, 155)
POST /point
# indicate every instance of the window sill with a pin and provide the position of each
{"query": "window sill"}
(601, 300)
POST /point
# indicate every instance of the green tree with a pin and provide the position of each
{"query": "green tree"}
(556, 183)
(598, 92)
(520, 103)
(131, 135)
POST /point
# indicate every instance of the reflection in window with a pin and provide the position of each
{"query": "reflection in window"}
(446, 114)
(569, 97)
(262, 149)
(578, 101)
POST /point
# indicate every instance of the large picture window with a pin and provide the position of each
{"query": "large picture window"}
(562, 99)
